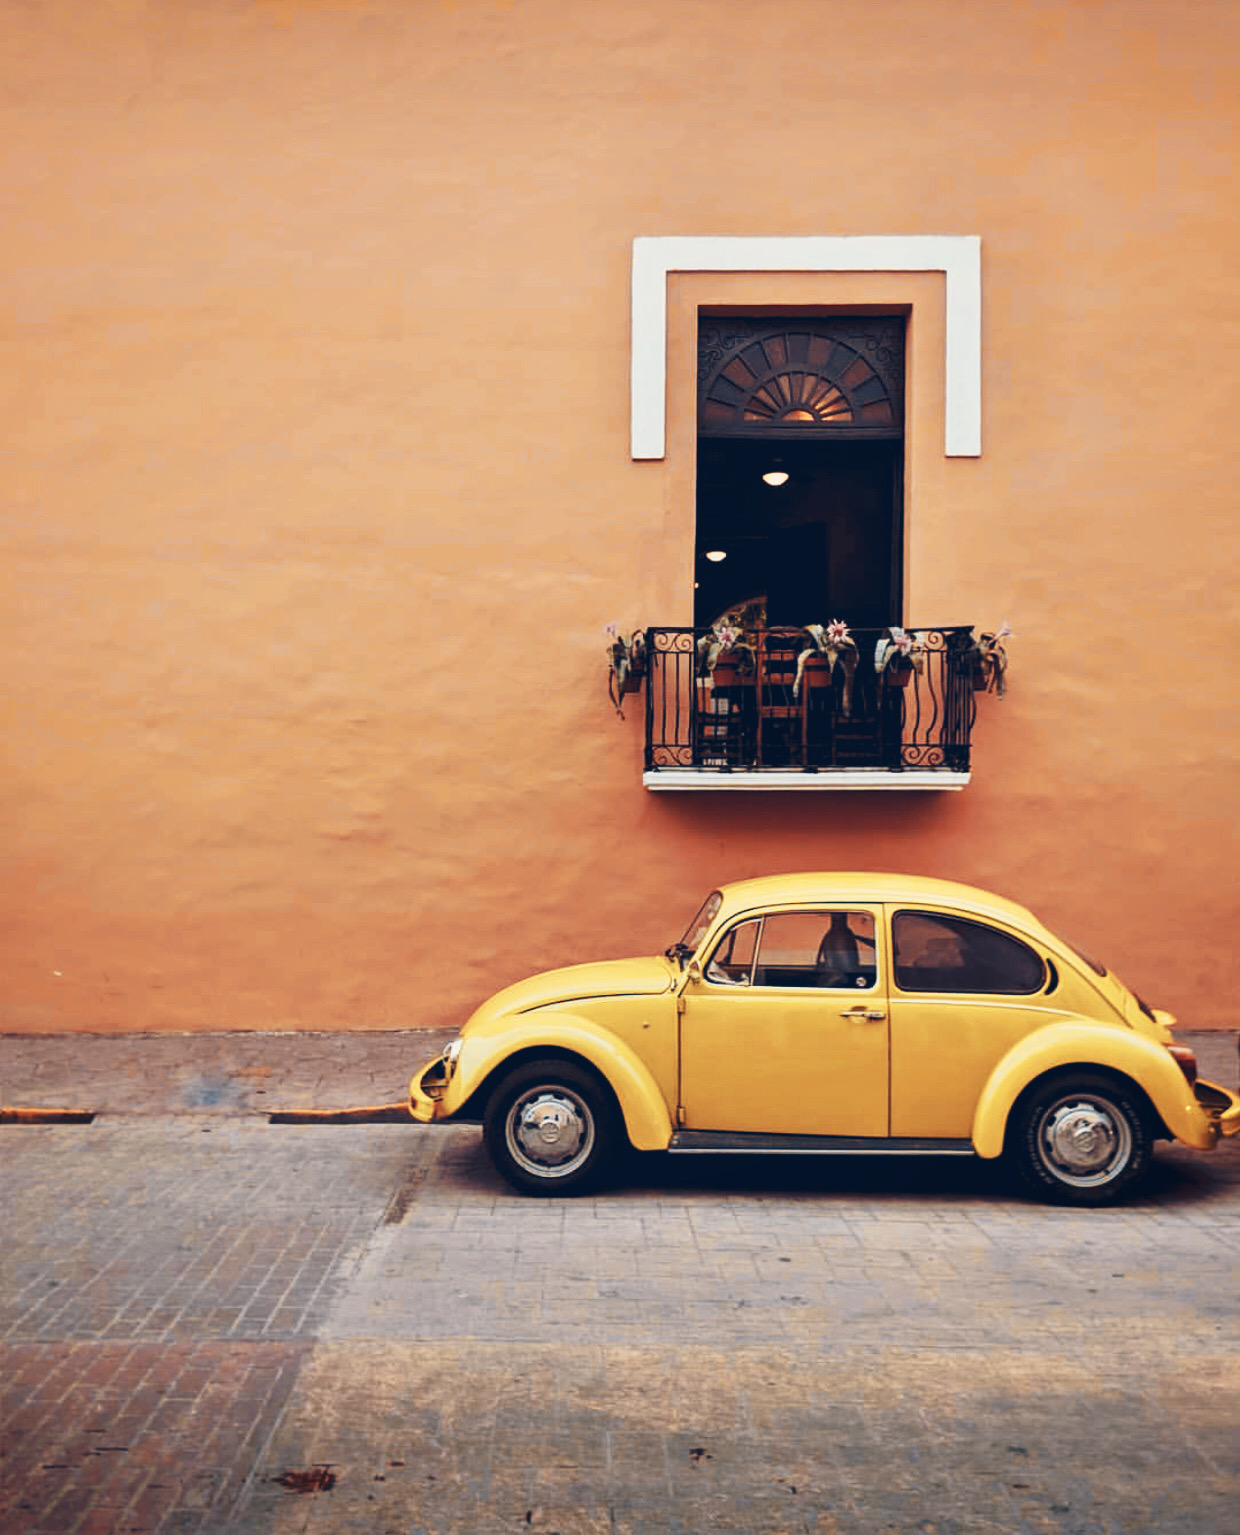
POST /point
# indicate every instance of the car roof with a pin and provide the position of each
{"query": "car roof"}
(785, 889)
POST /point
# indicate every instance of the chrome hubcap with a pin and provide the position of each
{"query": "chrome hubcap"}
(550, 1132)
(1083, 1141)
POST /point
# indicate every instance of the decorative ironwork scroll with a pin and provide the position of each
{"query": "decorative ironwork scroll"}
(695, 720)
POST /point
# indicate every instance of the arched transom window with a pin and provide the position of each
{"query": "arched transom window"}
(761, 376)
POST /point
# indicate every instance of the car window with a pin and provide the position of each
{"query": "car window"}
(932, 952)
(732, 962)
(817, 948)
(696, 930)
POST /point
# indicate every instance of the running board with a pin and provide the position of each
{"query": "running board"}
(716, 1141)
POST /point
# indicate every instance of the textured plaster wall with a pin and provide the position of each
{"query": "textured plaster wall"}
(314, 328)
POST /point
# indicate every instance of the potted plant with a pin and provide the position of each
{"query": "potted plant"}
(897, 656)
(987, 659)
(828, 645)
(627, 664)
(724, 654)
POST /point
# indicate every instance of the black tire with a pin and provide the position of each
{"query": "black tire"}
(1081, 1140)
(551, 1129)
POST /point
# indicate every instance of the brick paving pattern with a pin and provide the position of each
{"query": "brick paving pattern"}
(909, 1346)
(768, 1249)
(104, 1438)
(184, 1231)
(484, 1439)
(160, 1283)
(198, 1309)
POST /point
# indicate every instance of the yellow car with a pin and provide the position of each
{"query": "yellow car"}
(832, 1013)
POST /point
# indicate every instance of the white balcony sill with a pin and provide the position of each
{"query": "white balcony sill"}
(798, 781)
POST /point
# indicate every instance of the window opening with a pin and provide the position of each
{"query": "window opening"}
(800, 470)
(832, 949)
(732, 962)
(937, 953)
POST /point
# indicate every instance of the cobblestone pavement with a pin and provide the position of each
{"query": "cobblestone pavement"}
(202, 1314)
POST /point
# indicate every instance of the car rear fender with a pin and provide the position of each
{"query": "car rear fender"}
(1090, 1047)
(484, 1056)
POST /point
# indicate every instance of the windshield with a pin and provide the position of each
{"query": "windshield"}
(696, 930)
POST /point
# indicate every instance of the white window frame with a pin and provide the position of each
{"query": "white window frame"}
(958, 257)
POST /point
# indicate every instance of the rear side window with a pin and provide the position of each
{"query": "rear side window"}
(937, 953)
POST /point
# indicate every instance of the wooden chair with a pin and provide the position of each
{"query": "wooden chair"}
(782, 718)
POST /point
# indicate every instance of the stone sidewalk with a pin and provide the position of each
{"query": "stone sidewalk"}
(260, 1073)
(220, 1074)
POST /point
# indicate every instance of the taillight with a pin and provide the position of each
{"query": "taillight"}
(1186, 1060)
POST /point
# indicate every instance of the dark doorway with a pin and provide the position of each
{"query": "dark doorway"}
(823, 544)
(800, 465)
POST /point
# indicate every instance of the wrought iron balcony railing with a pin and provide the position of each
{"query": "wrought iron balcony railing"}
(755, 719)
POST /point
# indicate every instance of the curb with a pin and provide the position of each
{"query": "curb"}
(382, 1114)
(46, 1116)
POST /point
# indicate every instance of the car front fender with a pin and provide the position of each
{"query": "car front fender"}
(1088, 1047)
(647, 1118)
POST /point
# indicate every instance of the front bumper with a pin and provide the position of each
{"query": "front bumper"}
(427, 1089)
(1220, 1106)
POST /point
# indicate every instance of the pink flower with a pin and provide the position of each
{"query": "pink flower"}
(837, 631)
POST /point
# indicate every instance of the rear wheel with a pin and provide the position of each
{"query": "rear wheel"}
(1082, 1140)
(550, 1128)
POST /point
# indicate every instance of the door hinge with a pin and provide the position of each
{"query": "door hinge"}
(680, 1116)
(680, 1005)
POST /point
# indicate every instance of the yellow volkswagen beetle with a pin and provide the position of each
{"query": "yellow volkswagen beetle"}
(832, 1013)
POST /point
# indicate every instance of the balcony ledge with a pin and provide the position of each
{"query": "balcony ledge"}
(798, 780)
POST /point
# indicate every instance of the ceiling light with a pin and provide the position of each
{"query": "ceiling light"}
(776, 477)
(715, 555)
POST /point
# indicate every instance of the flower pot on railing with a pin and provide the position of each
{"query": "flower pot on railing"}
(986, 661)
(817, 672)
(726, 672)
(897, 656)
(626, 659)
(826, 646)
(724, 655)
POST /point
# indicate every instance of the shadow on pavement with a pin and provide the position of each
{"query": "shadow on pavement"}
(1178, 1177)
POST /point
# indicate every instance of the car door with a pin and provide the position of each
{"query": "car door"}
(963, 991)
(784, 1031)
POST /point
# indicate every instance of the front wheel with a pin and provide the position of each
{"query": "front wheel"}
(1082, 1140)
(550, 1128)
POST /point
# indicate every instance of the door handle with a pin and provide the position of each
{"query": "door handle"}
(870, 1014)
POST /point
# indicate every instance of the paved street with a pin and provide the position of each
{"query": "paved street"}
(210, 1323)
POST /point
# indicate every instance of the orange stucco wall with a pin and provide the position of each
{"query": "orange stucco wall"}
(314, 328)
